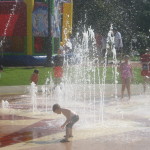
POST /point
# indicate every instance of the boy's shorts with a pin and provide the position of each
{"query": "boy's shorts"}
(57, 81)
(74, 119)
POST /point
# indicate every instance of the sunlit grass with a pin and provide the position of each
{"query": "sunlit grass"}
(21, 75)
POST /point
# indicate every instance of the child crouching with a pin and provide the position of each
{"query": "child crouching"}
(71, 119)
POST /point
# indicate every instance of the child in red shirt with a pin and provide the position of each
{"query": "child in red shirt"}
(145, 72)
(58, 68)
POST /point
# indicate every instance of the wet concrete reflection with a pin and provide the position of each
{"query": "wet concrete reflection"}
(31, 132)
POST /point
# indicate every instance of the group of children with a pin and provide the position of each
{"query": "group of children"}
(71, 117)
(126, 74)
(125, 70)
(57, 70)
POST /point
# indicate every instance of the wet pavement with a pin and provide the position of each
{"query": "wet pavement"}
(126, 126)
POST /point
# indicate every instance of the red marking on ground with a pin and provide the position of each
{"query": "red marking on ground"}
(13, 117)
(28, 107)
(34, 131)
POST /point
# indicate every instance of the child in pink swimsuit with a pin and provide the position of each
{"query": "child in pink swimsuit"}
(126, 75)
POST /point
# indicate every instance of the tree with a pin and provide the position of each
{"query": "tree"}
(132, 17)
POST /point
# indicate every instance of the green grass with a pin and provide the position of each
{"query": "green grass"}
(135, 58)
(21, 75)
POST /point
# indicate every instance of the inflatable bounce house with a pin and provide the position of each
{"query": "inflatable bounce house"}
(28, 26)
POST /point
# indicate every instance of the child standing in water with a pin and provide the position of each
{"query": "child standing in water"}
(125, 70)
(58, 68)
(145, 72)
(71, 119)
(35, 76)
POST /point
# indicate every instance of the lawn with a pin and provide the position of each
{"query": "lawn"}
(21, 75)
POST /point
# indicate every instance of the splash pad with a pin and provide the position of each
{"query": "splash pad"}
(124, 124)
(104, 120)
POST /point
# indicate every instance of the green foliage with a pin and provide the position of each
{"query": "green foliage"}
(143, 42)
(131, 17)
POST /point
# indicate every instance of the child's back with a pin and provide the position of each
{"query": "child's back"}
(68, 113)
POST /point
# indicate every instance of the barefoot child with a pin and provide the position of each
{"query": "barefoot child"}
(126, 75)
(71, 119)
